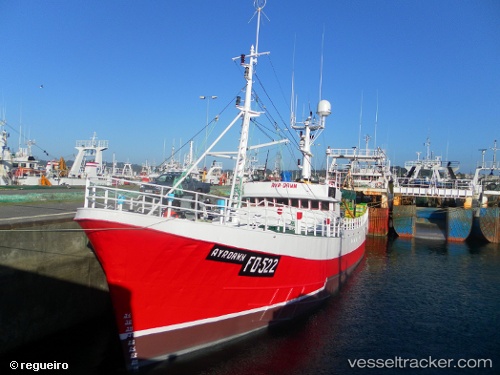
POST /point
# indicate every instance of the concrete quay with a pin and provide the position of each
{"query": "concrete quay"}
(50, 279)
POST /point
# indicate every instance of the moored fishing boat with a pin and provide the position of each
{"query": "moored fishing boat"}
(368, 173)
(88, 163)
(431, 202)
(188, 270)
(22, 168)
(5, 157)
(487, 211)
(26, 168)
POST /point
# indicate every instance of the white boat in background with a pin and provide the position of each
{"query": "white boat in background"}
(89, 163)
(148, 172)
(368, 173)
(126, 172)
(215, 175)
(5, 157)
(431, 201)
(22, 168)
(487, 199)
(27, 169)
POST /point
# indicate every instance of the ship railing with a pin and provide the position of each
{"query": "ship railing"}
(432, 163)
(91, 143)
(352, 153)
(459, 188)
(425, 182)
(354, 223)
(492, 165)
(288, 219)
(374, 183)
(197, 206)
(186, 204)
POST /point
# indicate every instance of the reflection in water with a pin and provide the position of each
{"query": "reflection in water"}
(408, 298)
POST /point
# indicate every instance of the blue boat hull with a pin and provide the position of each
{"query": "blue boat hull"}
(450, 224)
(487, 224)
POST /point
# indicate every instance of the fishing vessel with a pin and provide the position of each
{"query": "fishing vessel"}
(187, 270)
(22, 168)
(367, 172)
(5, 157)
(19, 166)
(431, 202)
(486, 224)
(88, 163)
(213, 174)
(26, 168)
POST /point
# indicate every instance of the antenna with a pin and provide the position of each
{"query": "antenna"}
(376, 123)
(494, 148)
(20, 124)
(447, 147)
(360, 121)
(259, 5)
(321, 65)
(427, 145)
(483, 151)
(292, 98)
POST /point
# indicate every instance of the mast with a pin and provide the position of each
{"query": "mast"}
(494, 148)
(427, 145)
(307, 129)
(246, 112)
(376, 123)
(483, 152)
(308, 135)
(360, 121)
(321, 65)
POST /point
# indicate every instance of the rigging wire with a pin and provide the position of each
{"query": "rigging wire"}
(214, 121)
(24, 139)
(291, 150)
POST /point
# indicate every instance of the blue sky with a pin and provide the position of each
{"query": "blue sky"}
(133, 71)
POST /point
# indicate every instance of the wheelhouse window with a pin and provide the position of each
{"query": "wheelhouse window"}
(315, 205)
(297, 203)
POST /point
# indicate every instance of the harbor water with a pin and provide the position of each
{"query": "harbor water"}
(428, 307)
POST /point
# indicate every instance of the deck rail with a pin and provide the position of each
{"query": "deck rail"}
(196, 206)
(459, 188)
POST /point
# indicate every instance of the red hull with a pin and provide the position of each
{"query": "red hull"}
(378, 222)
(172, 295)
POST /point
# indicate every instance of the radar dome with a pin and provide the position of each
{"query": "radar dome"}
(324, 108)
